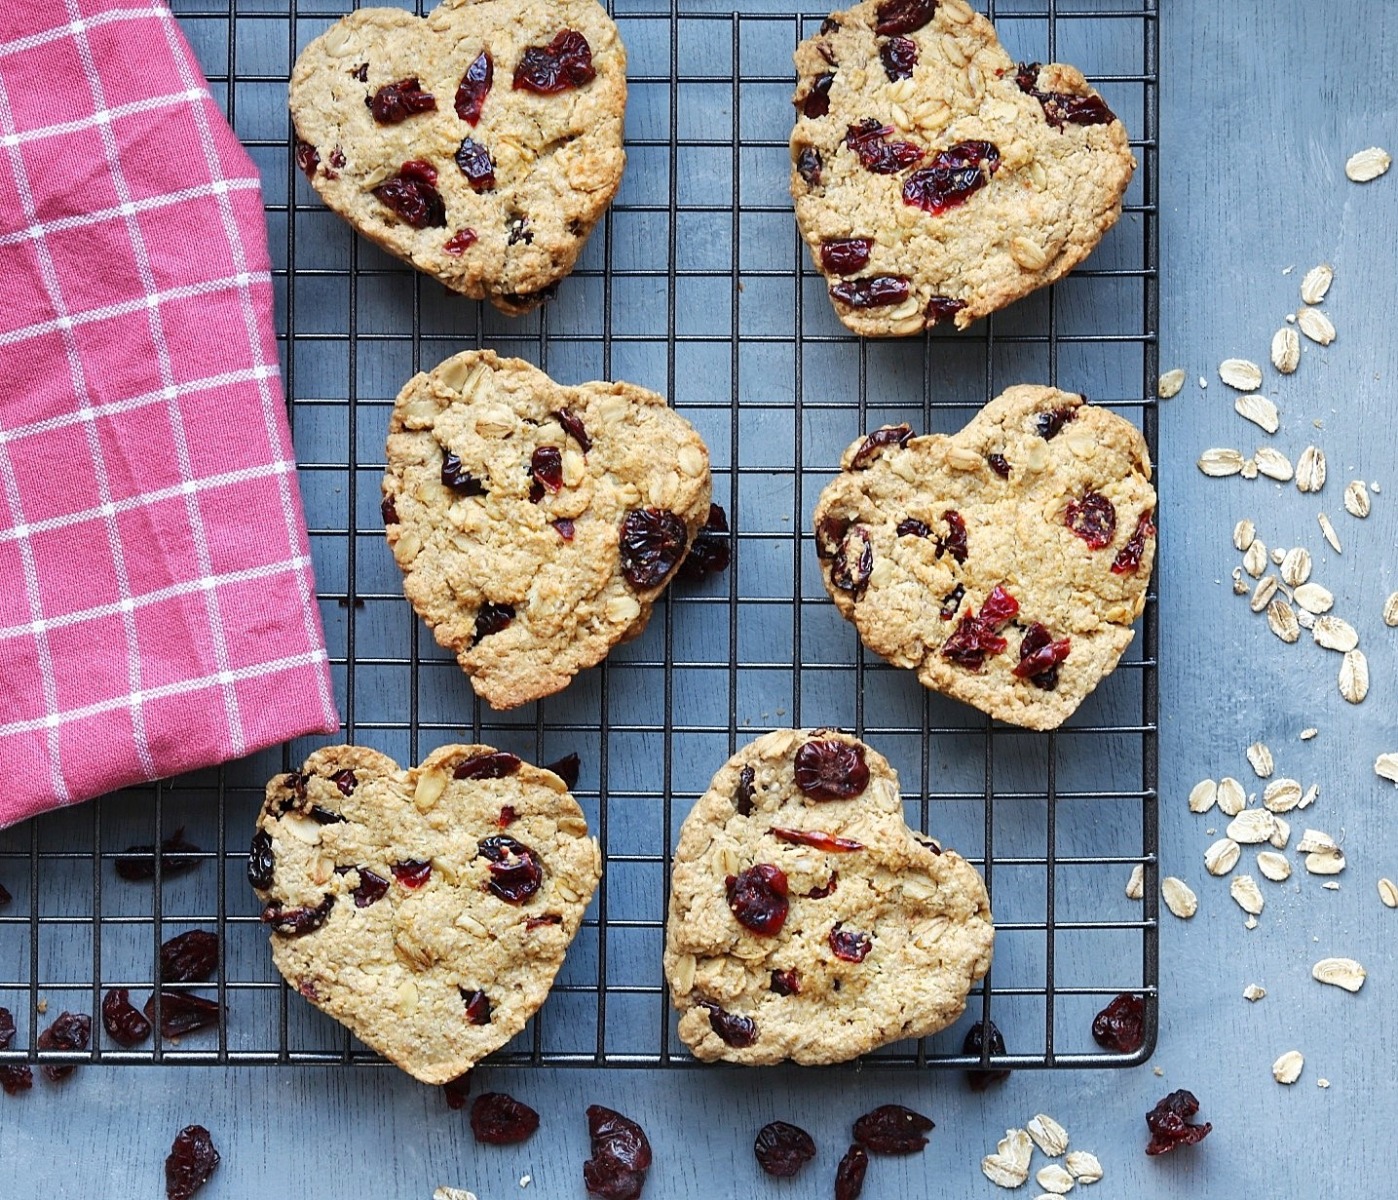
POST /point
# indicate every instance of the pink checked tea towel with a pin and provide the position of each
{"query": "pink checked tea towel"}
(157, 607)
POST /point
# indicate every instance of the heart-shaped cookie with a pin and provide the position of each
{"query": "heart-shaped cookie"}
(536, 524)
(807, 921)
(480, 143)
(1004, 564)
(936, 180)
(427, 909)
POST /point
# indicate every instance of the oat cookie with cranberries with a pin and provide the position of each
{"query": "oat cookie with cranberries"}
(936, 179)
(427, 908)
(1005, 563)
(807, 921)
(480, 143)
(536, 524)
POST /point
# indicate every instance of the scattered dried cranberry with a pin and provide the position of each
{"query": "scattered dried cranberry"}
(388, 509)
(954, 543)
(786, 983)
(952, 601)
(652, 542)
(1169, 1125)
(999, 464)
(413, 195)
(396, 102)
(1121, 1026)
(346, 781)
(501, 1120)
(1039, 656)
(903, 16)
(191, 1161)
(307, 158)
(476, 164)
(825, 889)
(498, 764)
(515, 871)
(733, 1029)
(873, 291)
(474, 87)
(742, 795)
(849, 1175)
(261, 862)
(1093, 518)
(712, 549)
(981, 1033)
(477, 1006)
(845, 256)
(854, 563)
(71, 1031)
(372, 888)
(14, 1077)
(412, 872)
(459, 242)
(942, 308)
(566, 528)
(849, 945)
(573, 425)
(491, 618)
(1063, 108)
(817, 839)
(873, 445)
(869, 140)
(1128, 558)
(899, 56)
(830, 533)
(1049, 423)
(189, 958)
(546, 469)
(809, 165)
(137, 863)
(297, 922)
(912, 527)
(566, 62)
(757, 897)
(956, 174)
(817, 101)
(782, 1149)
(829, 769)
(508, 816)
(455, 1091)
(122, 1020)
(567, 769)
(892, 1129)
(976, 637)
(621, 1155)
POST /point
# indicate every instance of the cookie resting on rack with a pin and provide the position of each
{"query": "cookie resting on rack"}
(425, 909)
(1005, 563)
(480, 143)
(807, 921)
(536, 524)
(935, 179)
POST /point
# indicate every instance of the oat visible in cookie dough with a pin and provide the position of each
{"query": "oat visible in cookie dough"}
(882, 932)
(971, 180)
(433, 937)
(405, 130)
(1005, 563)
(536, 524)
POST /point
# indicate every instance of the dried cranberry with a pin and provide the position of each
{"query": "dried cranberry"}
(952, 601)
(845, 256)
(1039, 656)
(546, 919)
(912, 527)
(508, 816)
(191, 1162)
(476, 164)
(501, 1120)
(733, 1029)
(942, 308)
(849, 945)
(892, 1129)
(412, 194)
(337, 157)
(1128, 558)
(975, 637)
(869, 140)
(782, 1149)
(477, 1006)
(873, 291)
(346, 781)
(15, 1078)
(297, 922)
(307, 158)
(1169, 1125)
(1121, 1026)
(999, 464)
(830, 534)
(817, 839)
(854, 563)
(711, 550)
(1049, 422)
(459, 242)
(496, 765)
(954, 543)
(515, 871)
(388, 509)
(546, 470)
(565, 527)
(849, 1175)
(809, 165)
(873, 445)
(122, 1020)
(899, 56)
(786, 983)
(396, 102)
(956, 174)
(573, 425)
(474, 87)
(372, 888)
(1063, 108)
(652, 542)
(412, 872)
(491, 618)
(757, 897)
(566, 62)
(977, 1037)
(136, 864)
(71, 1031)
(742, 796)
(455, 1091)
(621, 1155)
(261, 861)
(189, 958)
(825, 889)
(903, 16)
(323, 816)
(567, 769)
(830, 769)
(817, 101)
(1093, 518)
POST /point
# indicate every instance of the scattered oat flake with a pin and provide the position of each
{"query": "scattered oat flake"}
(1249, 470)
(1240, 374)
(1354, 676)
(1287, 1069)
(1274, 866)
(1245, 533)
(1203, 383)
(1055, 1179)
(1312, 794)
(1240, 587)
(1281, 795)
(1308, 733)
(1017, 1146)
(1202, 796)
(1252, 826)
(1231, 797)
(1263, 593)
(1135, 885)
(1328, 530)
(1390, 611)
(1254, 993)
(1255, 560)
(1386, 767)
(1222, 856)
(1388, 893)
(1260, 758)
(1084, 1166)
(1286, 350)
(1316, 326)
(1335, 633)
(1260, 411)
(1340, 972)
(1281, 833)
(1316, 839)
(1332, 886)
(1357, 498)
(1179, 897)
(1169, 384)
(1316, 283)
(1366, 165)
(1281, 620)
(1322, 1083)
(1247, 894)
(1314, 599)
(1310, 470)
(1219, 463)
(1296, 566)
(1048, 1135)
(1003, 1172)
(1273, 464)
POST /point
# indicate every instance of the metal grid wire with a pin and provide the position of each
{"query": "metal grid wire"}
(697, 285)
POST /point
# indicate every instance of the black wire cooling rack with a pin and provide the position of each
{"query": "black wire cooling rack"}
(696, 285)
